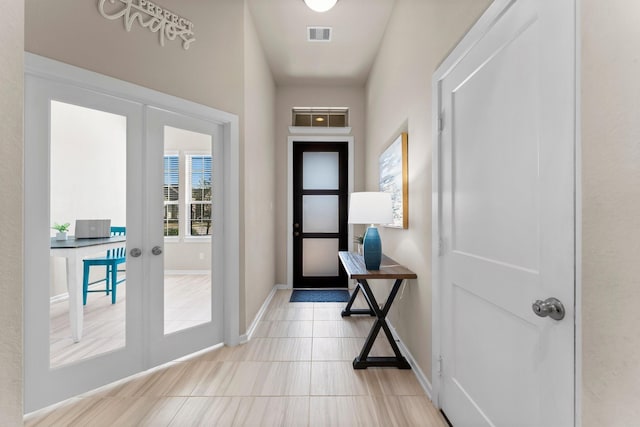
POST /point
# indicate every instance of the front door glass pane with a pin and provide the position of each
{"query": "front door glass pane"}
(320, 257)
(188, 228)
(320, 214)
(88, 181)
(320, 170)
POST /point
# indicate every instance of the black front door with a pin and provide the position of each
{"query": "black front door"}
(320, 191)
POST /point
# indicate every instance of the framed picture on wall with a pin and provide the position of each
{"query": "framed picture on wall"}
(394, 179)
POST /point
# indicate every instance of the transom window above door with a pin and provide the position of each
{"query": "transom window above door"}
(320, 117)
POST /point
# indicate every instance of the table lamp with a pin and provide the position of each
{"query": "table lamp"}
(371, 208)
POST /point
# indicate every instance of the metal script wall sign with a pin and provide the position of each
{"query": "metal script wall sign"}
(149, 15)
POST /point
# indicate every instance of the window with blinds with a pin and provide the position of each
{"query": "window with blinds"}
(189, 210)
(199, 203)
(171, 195)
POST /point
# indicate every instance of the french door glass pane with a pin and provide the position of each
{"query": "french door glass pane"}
(320, 214)
(320, 170)
(320, 257)
(187, 255)
(88, 181)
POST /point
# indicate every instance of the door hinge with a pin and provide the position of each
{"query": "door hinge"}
(440, 246)
(441, 122)
(440, 367)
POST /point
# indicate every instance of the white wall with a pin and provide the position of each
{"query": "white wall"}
(259, 183)
(88, 165)
(419, 35)
(11, 259)
(311, 96)
(181, 253)
(611, 212)
(88, 172)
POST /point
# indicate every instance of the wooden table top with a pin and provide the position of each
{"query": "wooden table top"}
(389, 269)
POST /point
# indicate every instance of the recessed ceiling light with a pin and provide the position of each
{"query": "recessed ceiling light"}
(320, 5)
(319, 119)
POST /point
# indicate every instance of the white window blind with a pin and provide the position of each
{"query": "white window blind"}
(199, 195)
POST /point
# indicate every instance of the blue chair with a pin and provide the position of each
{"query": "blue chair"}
(111, 261)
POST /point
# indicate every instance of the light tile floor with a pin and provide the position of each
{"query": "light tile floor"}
(296, 371)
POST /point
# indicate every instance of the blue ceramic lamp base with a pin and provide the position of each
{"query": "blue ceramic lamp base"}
(372, 247)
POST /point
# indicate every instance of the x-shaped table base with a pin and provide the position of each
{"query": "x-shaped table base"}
(363, 361)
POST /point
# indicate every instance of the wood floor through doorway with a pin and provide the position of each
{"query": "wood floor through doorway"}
(296, 371)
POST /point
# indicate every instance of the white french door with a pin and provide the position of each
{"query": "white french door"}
(506, 219)
(82, 155)
(186, 262)
(95, 149)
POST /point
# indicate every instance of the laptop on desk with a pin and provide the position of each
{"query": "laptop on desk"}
(93, 228)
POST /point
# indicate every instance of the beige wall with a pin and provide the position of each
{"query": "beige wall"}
(611, 212)
(74, 32)
(11, 149)
(419, 36)
(259, 166)
(311, 96)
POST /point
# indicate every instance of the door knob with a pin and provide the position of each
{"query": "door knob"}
(296, 234)
(135, 252)
(156, 250)
(551, 307)
(296, 225)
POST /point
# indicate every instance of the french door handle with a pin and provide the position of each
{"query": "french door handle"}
(156, 250)
(135, 252)
(296, 234)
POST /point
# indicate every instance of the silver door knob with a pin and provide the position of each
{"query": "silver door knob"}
(135, 252)
(551, 307)
(156, 250)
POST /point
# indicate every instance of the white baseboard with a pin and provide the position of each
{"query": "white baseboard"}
(58, 298)
(422, 378)
(187, 272)
(252, 328)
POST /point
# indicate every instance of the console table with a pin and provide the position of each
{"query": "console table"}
(389, 269)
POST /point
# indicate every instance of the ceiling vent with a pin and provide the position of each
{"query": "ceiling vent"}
(319, 34)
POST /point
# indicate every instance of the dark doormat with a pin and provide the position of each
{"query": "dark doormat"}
(322, 295)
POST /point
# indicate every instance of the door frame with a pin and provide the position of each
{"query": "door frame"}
(475, 34)
(351, 165)
(58, 72)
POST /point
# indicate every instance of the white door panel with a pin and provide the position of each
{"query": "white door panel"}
(507, 202)
(52, 374)
(179, 330)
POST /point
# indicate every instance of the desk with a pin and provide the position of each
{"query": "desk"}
(74, 251)
(389, 269)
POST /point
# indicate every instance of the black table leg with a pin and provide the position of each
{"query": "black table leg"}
(348, 311)
(363, 361)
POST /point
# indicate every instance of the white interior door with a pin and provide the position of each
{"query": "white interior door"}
(507, 223)
(185, 232)
(82, 155)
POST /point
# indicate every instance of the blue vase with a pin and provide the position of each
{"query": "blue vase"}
(372, 247)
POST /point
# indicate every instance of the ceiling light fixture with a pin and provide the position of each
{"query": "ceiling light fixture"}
(320, 5)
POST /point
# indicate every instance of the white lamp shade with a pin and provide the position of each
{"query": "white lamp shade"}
(370, 207)
(320, 5)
